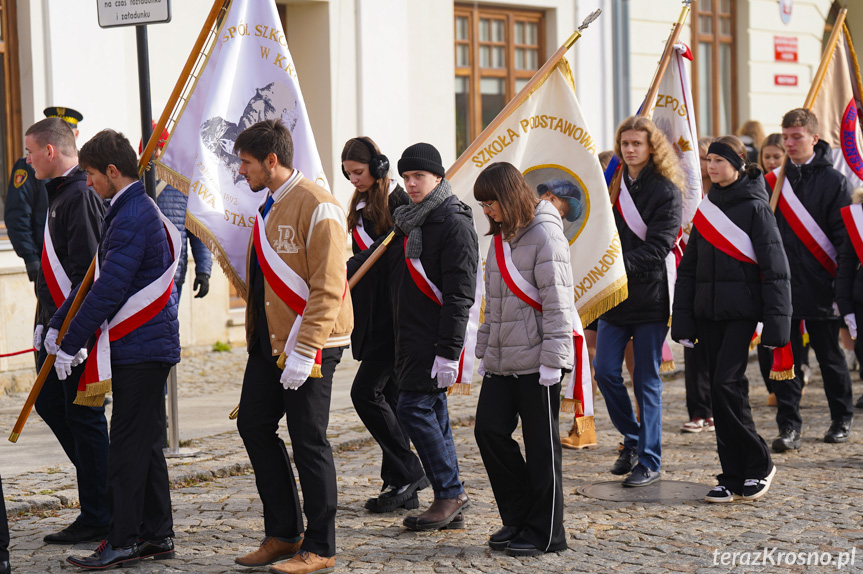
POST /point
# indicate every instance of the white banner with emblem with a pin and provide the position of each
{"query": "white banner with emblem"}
(249, 77)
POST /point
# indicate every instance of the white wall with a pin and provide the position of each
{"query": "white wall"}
(68, 60)
(766, 101)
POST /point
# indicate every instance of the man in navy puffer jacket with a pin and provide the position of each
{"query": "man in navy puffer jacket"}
(134, 252)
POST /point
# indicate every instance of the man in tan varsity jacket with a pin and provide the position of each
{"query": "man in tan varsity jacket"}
(298, 322)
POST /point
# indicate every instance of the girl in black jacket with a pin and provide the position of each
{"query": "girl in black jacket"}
(734, 274)
(374, 392)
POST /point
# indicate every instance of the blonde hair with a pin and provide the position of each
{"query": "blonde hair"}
(857, 195)
(661, 153)
(753, 129)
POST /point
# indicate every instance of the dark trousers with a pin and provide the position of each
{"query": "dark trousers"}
(426, 419)
(765, 363)
(824, 340)
(742, 452)
(697, 380)
(263, 403)
(4, 527)
(137, 473)
(529, 493)
(83, 434)
(375, 396)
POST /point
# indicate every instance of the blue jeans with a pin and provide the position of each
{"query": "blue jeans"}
(425, 418)
(647, 339)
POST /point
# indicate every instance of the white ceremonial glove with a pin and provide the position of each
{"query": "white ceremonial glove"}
(851, 321)
(481, 368)
(687, 343)
(37, 336)
(63, 365)
(836, 309)
(446, 372)
(79, 357)
(548, 376)
(297, 369)
(51, 341)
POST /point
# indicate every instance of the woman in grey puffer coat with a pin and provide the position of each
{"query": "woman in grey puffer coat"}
(525, 344)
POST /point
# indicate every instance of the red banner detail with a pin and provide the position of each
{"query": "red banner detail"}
(853, 232)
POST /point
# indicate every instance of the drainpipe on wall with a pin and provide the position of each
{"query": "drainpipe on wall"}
(620, 59)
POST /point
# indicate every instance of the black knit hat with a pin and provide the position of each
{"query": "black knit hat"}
(421, 156)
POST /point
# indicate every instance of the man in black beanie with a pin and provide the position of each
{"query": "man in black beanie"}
(432, 266)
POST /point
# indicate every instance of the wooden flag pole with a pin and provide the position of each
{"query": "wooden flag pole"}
(814, 88)
(647, 107)
(83, 289)
(195, 60)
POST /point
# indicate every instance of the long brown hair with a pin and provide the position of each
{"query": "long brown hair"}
(503, 183)
(662, 154)
(377, 197)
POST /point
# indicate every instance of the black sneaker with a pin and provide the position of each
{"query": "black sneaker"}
(626, 461)
(719, 494)
(754, 488)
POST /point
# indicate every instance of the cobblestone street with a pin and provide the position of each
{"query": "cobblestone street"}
(813, 506)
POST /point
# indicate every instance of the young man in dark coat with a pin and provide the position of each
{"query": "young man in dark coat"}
(26, 202)
(437, 231)
(134, 295)
(649, 186)
(74, 227)
(821, 193)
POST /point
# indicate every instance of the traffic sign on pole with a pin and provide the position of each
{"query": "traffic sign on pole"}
(114, 13)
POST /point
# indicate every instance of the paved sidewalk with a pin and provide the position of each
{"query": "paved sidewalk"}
(814, 505)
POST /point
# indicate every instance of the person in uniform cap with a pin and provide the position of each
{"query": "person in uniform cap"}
(26, 202)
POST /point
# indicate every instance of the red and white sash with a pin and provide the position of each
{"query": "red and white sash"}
(852, 215)
(58, 282)
(803, 225)
(138, 309)
(363, 239)
(722, 233)
(430, 290)
(579, 392)
(626, 206)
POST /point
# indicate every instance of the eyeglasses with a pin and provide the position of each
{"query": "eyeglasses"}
(486, 205)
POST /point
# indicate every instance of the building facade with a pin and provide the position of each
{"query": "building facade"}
(402, 71)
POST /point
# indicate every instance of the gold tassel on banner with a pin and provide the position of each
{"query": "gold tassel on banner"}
(754, 342)
(617, 294)
(459, 389)
(782, 375)
(316, 372)
(93, 395)
(573, 406)
(280, 363)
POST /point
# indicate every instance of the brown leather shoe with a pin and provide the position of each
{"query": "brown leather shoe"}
(271, 550)
(305, 562)
(439, 514)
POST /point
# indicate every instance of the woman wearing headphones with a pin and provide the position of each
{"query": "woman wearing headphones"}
(374, 392)
(733, 274)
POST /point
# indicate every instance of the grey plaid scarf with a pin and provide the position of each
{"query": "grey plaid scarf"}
(410, 218)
